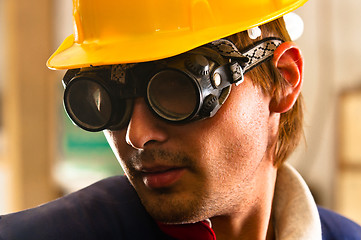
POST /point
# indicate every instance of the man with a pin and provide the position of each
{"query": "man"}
(201, 106)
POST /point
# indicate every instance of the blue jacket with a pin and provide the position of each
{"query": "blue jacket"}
(111, 209)
(335, 226)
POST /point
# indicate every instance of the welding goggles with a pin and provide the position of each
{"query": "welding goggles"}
(187, 87)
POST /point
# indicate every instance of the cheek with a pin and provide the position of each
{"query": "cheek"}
(116, 140)
(238, 134)
(243, 119)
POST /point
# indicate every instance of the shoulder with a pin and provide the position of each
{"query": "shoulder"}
(108, 209)
(335, 226)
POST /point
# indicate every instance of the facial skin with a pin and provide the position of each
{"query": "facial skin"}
(225, 163)
(221, 168)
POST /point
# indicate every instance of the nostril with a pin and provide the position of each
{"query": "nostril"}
(150, 142)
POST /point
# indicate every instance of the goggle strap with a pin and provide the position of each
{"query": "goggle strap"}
(118, 72)
(247, 59)
(260, 52)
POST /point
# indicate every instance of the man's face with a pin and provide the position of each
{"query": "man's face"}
(212, 167)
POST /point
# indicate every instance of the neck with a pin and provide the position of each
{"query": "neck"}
(253, 219)
(240, 229)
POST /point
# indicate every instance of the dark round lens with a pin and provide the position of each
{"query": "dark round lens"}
(88, 104)
(173, 95)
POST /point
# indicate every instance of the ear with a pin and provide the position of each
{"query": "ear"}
(289, 61)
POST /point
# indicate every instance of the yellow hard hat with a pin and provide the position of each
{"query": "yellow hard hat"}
(124, 31)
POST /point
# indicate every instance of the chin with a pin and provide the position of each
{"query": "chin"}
(175, 210)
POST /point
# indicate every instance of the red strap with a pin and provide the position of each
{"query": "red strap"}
(194, 231)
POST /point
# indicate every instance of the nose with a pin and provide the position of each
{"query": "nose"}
(144, 128)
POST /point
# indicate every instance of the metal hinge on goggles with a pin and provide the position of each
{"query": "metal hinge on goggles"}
(180, 89)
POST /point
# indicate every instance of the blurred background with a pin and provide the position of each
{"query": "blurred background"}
(43, 156)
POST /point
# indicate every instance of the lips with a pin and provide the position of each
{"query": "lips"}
(161, 177)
